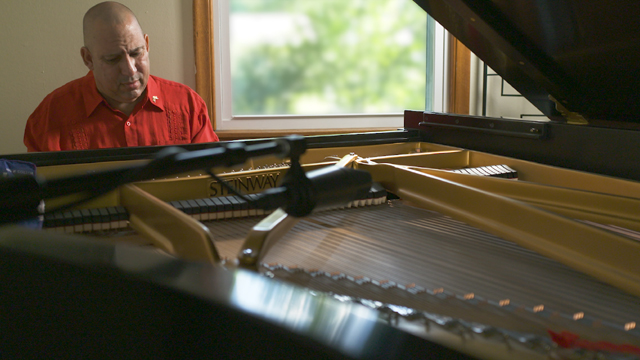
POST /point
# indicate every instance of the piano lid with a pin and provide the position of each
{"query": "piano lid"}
(583, 53)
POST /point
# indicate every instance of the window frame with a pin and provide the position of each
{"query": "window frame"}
(448, 85)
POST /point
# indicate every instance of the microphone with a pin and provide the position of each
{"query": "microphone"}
(321, 189)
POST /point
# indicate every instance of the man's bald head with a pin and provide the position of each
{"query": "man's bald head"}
(108, 13)
(117, 51)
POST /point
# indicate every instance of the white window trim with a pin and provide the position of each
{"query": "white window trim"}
(441, 70)
(223, 90)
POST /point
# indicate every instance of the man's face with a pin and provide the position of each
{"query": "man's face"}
(119, 57)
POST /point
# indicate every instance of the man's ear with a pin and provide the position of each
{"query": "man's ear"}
(146, 40)
(86, 57)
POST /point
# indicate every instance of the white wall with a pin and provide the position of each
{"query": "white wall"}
(41, 40)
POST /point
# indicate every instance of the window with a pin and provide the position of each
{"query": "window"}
(282, 64)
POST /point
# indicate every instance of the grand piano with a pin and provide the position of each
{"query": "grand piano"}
(483, 237)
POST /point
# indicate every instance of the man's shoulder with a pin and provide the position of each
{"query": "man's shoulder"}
(181, 96)
(169, 85)
(73, 88)
(61, 106)
(66, 97)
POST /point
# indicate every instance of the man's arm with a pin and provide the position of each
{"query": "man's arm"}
(206, 133)
(35, 137)
(201, 129)
(30, 141)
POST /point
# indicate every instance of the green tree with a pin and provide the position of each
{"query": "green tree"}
(355, 56)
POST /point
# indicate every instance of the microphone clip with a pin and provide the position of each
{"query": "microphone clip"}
(299, 188)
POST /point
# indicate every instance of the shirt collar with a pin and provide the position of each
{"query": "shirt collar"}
(92, 97)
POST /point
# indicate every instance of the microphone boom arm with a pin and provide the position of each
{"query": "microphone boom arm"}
(20, 196)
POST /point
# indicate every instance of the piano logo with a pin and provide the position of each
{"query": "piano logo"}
(245, 184)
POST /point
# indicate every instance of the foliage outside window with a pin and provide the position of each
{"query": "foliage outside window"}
(327, 56)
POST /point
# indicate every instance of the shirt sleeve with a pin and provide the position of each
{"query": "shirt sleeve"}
(203, 130)
(36, 136)
(29, 138)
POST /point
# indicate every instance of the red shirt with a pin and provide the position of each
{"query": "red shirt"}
(76, 117)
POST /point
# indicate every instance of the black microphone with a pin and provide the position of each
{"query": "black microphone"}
(321, 189)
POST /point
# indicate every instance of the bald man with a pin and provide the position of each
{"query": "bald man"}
(118, 103)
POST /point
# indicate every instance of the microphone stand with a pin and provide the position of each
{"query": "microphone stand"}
(20, 196)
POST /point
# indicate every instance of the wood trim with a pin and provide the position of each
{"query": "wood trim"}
(459, 77)
(204, 56)
(225, 135)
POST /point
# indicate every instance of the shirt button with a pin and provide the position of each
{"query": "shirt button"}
(128, 123)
